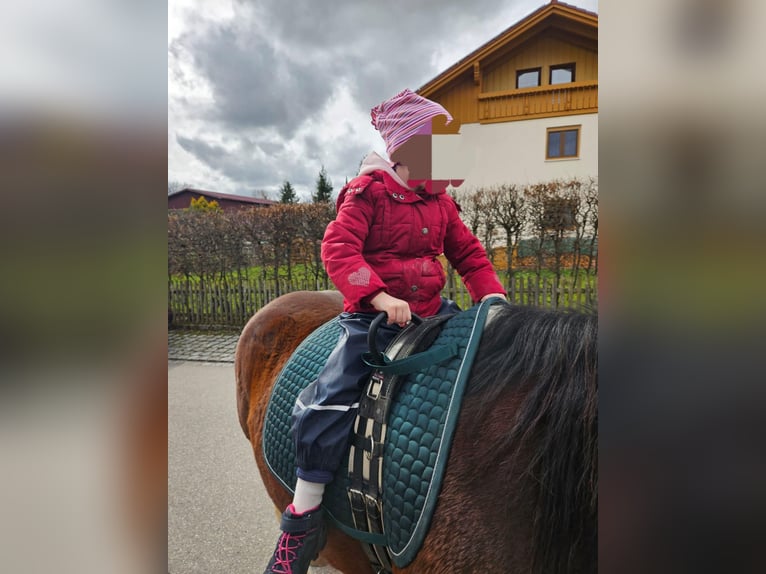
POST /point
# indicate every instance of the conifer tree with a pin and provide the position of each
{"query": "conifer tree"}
(287, 193)
(324, 188)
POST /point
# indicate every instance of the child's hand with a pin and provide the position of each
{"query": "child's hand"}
(398, 311)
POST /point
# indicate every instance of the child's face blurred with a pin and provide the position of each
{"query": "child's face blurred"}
(415, 153)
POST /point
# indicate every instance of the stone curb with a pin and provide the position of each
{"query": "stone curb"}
(215, 348)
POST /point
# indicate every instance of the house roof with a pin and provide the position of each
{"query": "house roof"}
(229, 196)
(535, 19)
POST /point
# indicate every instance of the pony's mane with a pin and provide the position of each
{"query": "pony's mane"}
(549, 358)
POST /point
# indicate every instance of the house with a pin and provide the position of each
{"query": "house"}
(181, 199)
(524, 104)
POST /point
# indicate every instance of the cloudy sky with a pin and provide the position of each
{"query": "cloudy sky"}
(263, 91)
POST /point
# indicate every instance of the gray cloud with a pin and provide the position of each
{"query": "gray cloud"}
(264, 166)
(277, 65)
(219, 159)
(272, 70)
(252, 85)
(379, 47)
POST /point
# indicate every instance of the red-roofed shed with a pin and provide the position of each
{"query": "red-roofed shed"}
(182, 199)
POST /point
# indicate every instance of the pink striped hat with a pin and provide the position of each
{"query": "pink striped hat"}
(403, 116)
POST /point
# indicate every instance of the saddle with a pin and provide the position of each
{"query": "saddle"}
(385, 494)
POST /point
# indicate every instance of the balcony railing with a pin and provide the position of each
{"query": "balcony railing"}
(561, 99)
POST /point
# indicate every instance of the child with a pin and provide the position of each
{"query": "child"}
(381, 253)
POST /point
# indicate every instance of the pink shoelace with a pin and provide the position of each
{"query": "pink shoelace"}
(286, 552)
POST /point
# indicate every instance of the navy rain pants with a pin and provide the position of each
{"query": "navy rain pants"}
(324, 412)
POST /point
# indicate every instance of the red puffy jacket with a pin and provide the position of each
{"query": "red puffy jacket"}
(387, 238)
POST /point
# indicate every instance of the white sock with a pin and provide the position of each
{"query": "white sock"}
(308, 495)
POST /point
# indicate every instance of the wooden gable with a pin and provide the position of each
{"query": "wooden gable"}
(481, 88)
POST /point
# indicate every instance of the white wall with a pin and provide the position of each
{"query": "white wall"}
(513, 152)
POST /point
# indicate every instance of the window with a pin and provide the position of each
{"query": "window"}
(563, 142)
(562, 74)
(528, 78)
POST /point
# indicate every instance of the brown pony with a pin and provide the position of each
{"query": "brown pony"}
(520, 490)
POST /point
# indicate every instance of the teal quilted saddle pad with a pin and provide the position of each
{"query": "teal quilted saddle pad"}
(421, 425)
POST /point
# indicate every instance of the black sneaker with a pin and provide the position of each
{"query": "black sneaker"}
(303, 536)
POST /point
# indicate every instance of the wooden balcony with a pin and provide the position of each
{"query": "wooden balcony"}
(539, 102)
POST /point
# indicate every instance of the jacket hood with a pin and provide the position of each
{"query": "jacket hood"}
(374, 162)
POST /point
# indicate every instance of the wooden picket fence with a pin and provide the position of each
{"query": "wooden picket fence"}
(545, 292)
(227, 304)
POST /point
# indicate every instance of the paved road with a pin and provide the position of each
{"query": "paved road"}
(220, 519)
